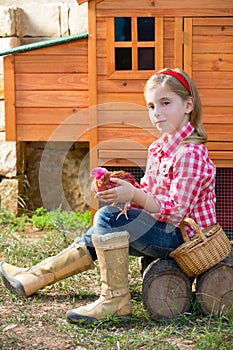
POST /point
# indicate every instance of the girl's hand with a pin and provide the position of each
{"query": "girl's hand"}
(121, 194)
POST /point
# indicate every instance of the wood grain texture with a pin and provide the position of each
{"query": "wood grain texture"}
(9, 89)
(214, 288)
(166, 290)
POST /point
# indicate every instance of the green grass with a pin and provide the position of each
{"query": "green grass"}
(39, 322)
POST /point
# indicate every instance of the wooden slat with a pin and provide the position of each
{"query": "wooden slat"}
(216, 97)
(101, 28)
(53, 133)
(134, 45)
(188, 48)
(92, 71)
(121, 162)
(110, 59)
(222, 115)
(223, 163)
(220, 137)
(73, 48)
(159, 43)
(125, 118)
(55, 81)
(204, 44)
(220, 128)
(52, 99)
(168, 7)
(217, 31)
(101, 50)
(217, 80)
(159, 12)
(129, 154)
(50, 64)
(134, 98)
(222, 159)
(119, 85)
(220, 146)
(168, 28)
(178, 43)
(122, 145)
(142, 136)
(124, 107)
(217, 62)
(209, 21)
(52, 116)
(9, 86)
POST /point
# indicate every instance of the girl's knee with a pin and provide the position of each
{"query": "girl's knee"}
(104, 212)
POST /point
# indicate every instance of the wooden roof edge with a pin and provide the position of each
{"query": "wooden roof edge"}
(44, 43)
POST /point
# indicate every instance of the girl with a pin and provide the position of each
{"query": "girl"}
(179, 182)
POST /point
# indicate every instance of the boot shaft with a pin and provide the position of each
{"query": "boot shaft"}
(113, 257)
(115, 299)
(25, 282)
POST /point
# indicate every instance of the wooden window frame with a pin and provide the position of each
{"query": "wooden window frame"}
(134, 44)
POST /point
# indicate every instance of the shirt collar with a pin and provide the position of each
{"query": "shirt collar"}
(171, 145)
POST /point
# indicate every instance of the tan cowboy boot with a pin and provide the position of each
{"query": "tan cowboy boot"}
(115, 299)
(24, 282)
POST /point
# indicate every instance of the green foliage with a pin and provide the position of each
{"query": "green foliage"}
(10, 222)
(41, 219)
(68, 223)
(60, 219)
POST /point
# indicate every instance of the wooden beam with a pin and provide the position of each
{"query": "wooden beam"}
(9, 88)
(178, 43)
(92, 74)
(188, 47)
(159, 43)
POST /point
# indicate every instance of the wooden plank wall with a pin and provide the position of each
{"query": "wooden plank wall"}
(51, 93)
(125, 131)
(212, 61)
(207, 56)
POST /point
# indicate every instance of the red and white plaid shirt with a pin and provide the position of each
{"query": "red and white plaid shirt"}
(181, 179)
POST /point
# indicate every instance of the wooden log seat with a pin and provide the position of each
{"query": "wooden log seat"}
(214, 288)
(166, 289)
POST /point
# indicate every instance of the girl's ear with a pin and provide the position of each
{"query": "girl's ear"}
(189, 105)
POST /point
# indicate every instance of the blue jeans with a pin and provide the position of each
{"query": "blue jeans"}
(148, 236)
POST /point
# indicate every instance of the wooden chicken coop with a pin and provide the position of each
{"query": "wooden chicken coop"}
(90, 87)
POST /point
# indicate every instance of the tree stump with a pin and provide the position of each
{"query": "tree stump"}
(214, 288)
(166, 290)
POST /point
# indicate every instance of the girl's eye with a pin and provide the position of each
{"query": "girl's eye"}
(151, 107)
(165, 103)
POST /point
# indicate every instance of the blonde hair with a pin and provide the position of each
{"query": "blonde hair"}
(199, 135)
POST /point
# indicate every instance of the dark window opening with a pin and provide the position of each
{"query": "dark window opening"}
(146, 29)
(123, 59)
(123, 29)
(146, 58)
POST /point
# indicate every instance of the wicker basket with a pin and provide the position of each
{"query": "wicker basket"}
(205, 250)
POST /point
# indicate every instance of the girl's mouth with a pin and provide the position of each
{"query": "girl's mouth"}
(160, 121)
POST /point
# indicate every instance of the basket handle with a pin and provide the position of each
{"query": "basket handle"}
(194, 226)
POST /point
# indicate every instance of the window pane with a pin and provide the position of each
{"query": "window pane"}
(122, 29)
(146, 29)
(123, 59)
(146, 58)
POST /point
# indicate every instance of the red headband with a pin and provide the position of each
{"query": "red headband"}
(179, 77)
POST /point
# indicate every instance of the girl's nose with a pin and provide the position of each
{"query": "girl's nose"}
(156, 111)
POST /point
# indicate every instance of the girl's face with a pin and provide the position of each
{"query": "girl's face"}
(167, 111)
